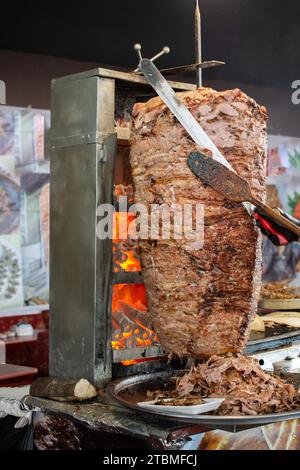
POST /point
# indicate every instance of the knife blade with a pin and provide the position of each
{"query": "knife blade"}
(232, 186)
(186, 119)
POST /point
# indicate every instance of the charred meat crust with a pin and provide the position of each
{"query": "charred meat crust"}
(201, 299)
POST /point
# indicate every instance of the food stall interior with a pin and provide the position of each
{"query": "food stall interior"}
(99, 327)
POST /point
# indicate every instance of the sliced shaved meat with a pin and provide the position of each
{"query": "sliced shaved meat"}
(186, 384)
(247, 389)
(201, 299)
(248, 411)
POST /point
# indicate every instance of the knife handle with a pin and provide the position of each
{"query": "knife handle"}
(277, 217)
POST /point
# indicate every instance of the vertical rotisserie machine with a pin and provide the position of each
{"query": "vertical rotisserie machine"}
(86, 146)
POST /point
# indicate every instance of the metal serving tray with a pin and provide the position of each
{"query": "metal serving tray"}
(131, 390)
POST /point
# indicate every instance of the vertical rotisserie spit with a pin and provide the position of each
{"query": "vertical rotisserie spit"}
(201, 299)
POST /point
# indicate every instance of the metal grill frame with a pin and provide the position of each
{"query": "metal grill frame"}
(83, 145)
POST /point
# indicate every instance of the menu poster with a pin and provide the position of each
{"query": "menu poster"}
(11, 284)
(24, 214)
(7, 131)
(35, 235)
(283, 154)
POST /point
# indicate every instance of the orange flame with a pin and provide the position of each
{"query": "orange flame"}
(131, 294)
(137, 361)
(131, 263)
(124, 249)
(130, 299)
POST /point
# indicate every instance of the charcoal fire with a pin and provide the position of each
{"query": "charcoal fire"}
(131, 327)
(130, 324)
(125, 250)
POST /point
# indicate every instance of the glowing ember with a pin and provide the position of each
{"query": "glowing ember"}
(133, 295)
(121, 190)
(137, 361)
(125, 250)
(131, 327)
(121, 226)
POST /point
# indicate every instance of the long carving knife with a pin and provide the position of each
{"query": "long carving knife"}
(186, 119)
(233, 187)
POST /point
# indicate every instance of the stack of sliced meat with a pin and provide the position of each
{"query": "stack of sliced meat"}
(247, 389)
(201, 300)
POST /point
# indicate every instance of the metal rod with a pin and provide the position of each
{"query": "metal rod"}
(198, 44)
(137, 47)
(165, 50)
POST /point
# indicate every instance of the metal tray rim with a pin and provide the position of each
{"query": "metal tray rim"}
(115, 387)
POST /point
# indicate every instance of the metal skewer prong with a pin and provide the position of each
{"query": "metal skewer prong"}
(137, 47)
(165, 50)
